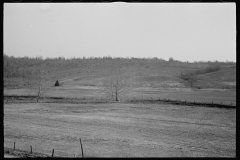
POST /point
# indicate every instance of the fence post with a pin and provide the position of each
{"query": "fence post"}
(14, 146)
(31, 149)
(52, 152)
(81, 148)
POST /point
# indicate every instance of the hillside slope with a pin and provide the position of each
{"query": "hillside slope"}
(224, 78)
(95, 71)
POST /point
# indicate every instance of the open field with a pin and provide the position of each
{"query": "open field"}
(140, 125)
(121, 130)
(217, 96)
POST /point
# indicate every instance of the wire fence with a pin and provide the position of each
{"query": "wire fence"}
(30, 154)
(91, 99)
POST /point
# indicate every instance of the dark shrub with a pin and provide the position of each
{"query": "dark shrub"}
(57, 83)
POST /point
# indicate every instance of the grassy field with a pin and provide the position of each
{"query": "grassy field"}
(121, 130)
(184, 94)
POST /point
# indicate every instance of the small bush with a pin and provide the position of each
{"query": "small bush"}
(189, 78)
(57, 83)
(212, 69)
(171, 59)
(208, 69)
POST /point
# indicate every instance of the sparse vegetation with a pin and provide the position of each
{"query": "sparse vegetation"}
(93, 71)
(80, 108)
(171, 59)
(209, 69)
(189, 78)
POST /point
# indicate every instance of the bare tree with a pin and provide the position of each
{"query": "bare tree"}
(42, 83)
(115, 84)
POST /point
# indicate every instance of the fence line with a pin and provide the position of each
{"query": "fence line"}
(81, 148)
(90, 99)
(52, 152)
(43, 155)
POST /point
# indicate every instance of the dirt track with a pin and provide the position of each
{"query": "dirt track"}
(121, 130)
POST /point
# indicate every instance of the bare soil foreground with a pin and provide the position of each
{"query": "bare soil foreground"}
(121, 129)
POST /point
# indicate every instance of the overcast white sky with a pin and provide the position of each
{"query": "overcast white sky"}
(184, 31)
